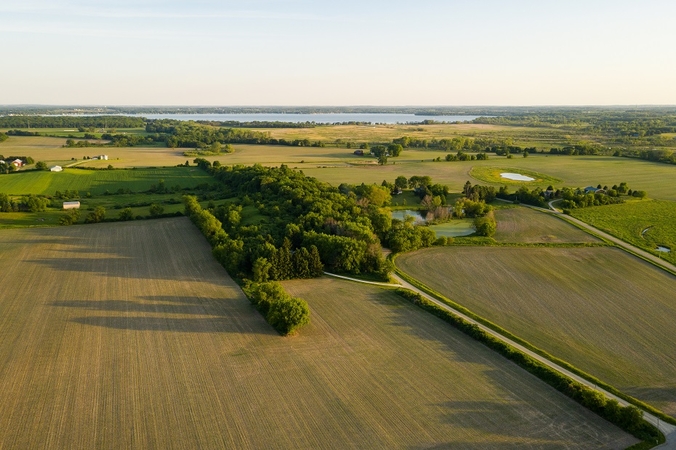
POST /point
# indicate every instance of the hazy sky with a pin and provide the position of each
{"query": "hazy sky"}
(368, 52)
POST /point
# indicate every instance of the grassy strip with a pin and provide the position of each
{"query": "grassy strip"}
(628, 418)
(652, 410)
(466, 241)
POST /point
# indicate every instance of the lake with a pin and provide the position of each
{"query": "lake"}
(317, 118)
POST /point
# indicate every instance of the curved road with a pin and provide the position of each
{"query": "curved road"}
(666, 428)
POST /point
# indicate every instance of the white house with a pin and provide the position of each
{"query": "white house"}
(56, 169)
(102, 157)
(71, 205)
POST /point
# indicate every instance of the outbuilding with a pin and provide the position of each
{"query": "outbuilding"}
(56, 169)
(71, 205)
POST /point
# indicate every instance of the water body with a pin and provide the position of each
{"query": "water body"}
(516, 177)
(317, 118)
(453, 228)
(401, 214)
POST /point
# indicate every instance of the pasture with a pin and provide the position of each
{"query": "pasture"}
(99, 181)
(600, 309)
(644, 223)
(521, 224)
(130, 335)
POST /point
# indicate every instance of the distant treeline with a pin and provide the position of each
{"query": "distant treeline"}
(71, 121)
(632, 123)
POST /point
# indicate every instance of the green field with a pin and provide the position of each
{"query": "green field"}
(493, 175)
(130, 335)
(99, 181)
(600, 309)
(522, 224)
(340, 165)
(646, 223)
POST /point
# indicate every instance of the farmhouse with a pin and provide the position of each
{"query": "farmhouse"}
(71, 205)
(102, 157)
(56, 169)
(17, 163)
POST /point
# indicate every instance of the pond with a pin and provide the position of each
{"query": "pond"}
(418, 216)
(516, 176)
(453, 228)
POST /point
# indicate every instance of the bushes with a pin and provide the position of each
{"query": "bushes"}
(286, 314)
(629, 418)
(486, 225)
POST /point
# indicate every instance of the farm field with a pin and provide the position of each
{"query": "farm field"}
(385, 133)
(99, 181)
(520, 224)
(339, 165)
(600, 309)
(131, 335)
(646, 224)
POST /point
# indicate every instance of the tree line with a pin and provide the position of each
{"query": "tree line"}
(32, 121)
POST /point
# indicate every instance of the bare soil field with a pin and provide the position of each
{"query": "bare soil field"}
(606, 312)
(522, 224)
(130, 335)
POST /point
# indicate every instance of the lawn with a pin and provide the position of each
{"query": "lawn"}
(130, 335)
(600, 309)
(523, 224)
(644, 223)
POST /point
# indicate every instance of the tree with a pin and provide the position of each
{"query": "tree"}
(97, 215)
(41, 165)
(315, 263)
(401, 182)
(156, 210)
(382, 159)
(486, 225)
(287, 315)
(126, 214)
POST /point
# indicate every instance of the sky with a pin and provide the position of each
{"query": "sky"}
(368, 52)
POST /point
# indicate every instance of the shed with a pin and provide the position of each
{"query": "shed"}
(71, 205)
(56, 169)
(359, 152)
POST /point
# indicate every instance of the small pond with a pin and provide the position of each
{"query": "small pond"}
(453, 228)
(516, 176)
(663, 249)
(401, 214)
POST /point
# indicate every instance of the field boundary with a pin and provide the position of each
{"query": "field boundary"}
(558, 364)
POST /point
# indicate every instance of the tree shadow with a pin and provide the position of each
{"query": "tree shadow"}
(545, 428)
(223, 315)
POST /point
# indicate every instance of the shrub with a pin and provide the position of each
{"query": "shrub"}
(286, 314)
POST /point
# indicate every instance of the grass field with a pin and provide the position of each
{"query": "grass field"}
(600, 309)
(645, 223)
(493, 175)
(544, 137)
(130, 335)
(339, 165)
(525, 225)
(99, 181)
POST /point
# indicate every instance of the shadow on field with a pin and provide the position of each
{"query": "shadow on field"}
(662, 397)
(530, 416)
(227, 316)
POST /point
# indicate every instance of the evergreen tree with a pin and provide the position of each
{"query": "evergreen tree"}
(315, 263)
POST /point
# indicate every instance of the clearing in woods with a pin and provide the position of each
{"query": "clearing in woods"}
(602, 310)
(521, 224)
(131, 335)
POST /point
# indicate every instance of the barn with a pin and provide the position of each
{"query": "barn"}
(71, 205)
